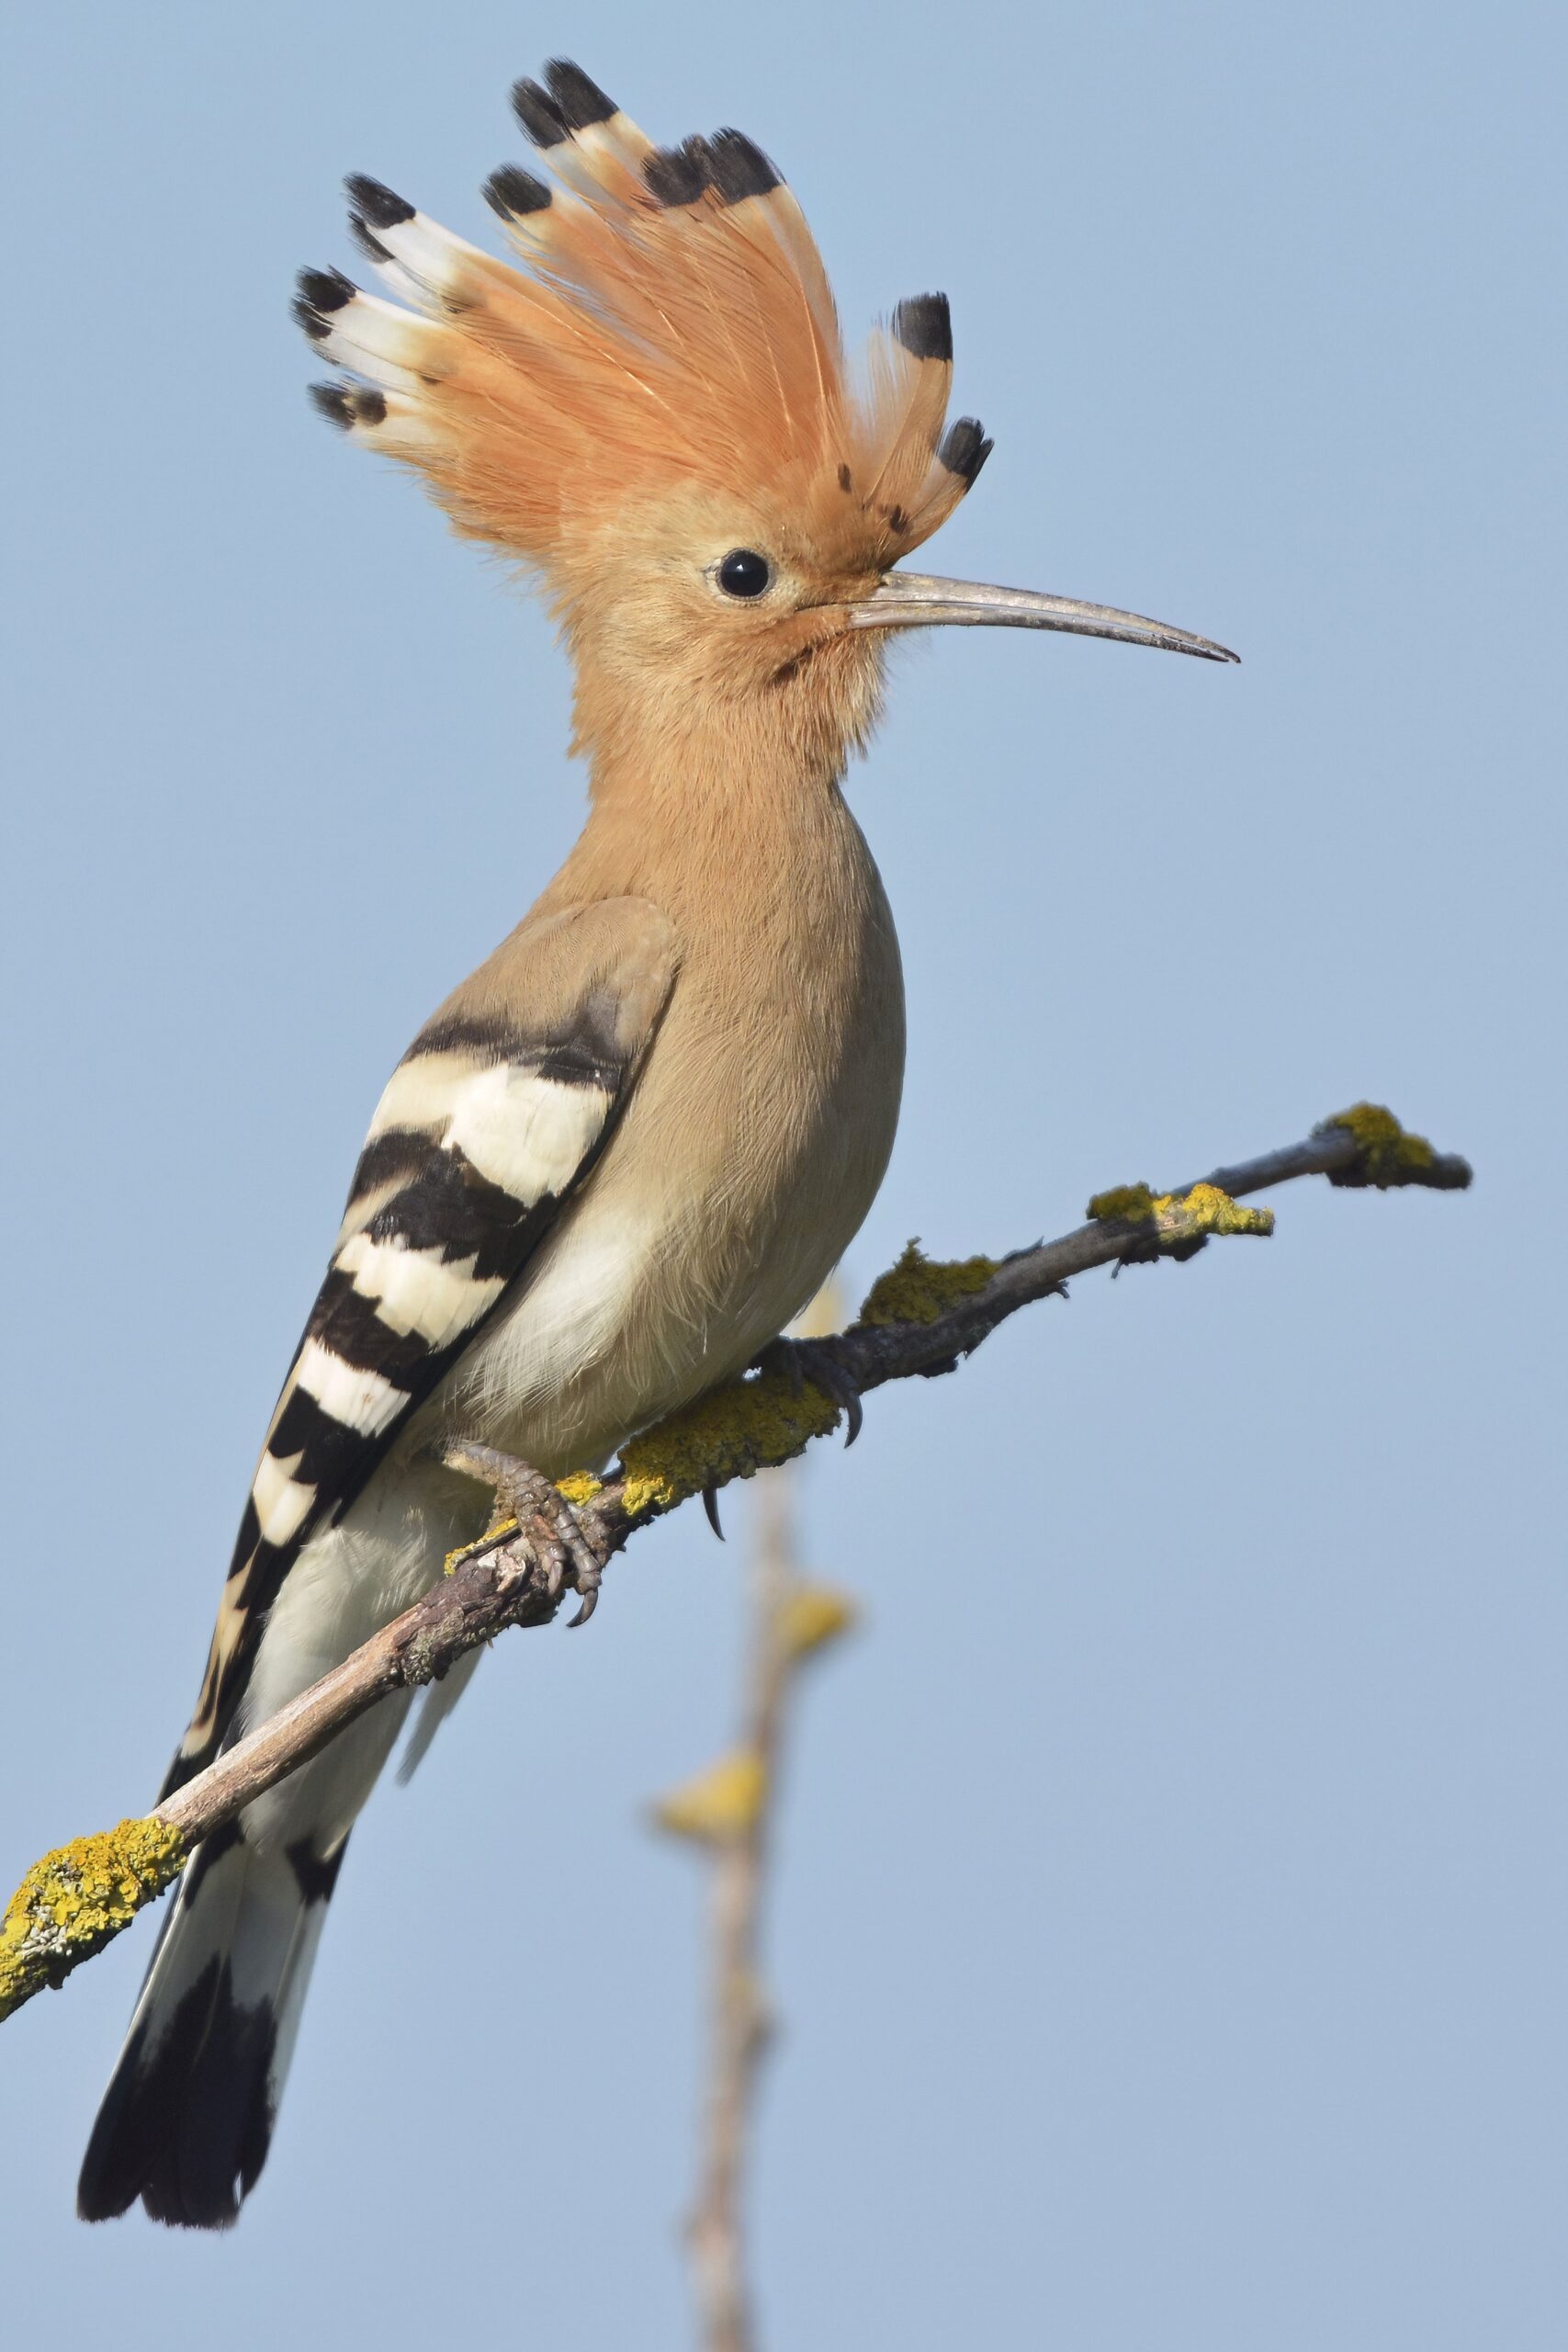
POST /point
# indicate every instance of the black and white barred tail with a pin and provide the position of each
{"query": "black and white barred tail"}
(187, 2117)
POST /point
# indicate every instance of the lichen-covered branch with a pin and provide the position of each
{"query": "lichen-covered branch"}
(78, 1898)
(919, 1319)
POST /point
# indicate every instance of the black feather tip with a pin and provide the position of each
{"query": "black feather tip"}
(924, 327)
(541, 119)
(514, 193)
(322, 291)
(738, 167)
(344, 406)
(965, 449)
(369, 244)
(377, 202)
(579, 101)
(679, 174)
(333, 402)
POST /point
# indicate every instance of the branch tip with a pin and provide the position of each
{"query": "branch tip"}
(1389, 1155)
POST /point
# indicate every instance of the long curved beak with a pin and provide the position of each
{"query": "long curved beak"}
(915, 600)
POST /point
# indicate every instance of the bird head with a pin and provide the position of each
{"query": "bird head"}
(655, 415)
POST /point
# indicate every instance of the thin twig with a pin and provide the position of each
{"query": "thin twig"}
(77, 1899)
(740, 2022)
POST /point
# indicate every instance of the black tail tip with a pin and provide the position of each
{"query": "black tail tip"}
(187, 2120)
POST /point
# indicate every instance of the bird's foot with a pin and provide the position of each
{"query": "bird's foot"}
(541, 1510)
(812, 1359)
(535, 1503)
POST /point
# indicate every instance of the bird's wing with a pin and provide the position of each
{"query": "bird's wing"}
(491, 1121)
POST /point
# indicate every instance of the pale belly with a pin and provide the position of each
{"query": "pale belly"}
(640, 1301)
(752, 1147)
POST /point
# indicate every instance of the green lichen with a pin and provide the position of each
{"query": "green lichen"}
(1135, 1201)
(1389, 1155)
(74, 1901)
(747, 1425)
(922, 1290)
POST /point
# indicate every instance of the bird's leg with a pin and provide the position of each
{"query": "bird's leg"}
(812, 1359)
(536, 1504)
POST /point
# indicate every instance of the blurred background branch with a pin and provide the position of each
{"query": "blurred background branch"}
(729, 1811)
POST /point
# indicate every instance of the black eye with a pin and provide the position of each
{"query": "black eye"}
(744, 572)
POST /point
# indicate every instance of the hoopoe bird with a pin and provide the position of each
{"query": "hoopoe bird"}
(626, 1149)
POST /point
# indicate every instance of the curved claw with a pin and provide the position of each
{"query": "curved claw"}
(536, 1502)
(829, 1375)
(710, 1504)
(811, 1360)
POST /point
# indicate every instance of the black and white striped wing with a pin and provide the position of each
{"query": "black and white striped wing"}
(489, 1122)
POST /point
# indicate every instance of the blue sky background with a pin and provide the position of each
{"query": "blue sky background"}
(1170, 1926)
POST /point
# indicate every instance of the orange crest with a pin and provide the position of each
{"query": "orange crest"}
(671, 326)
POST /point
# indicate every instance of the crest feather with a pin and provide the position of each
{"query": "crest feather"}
(670, 322)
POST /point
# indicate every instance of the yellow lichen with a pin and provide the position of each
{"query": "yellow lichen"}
(745, 1426)
(1204, 1210)
(500, 1525)
(1389, 1155)
(721, 1803)
(579, 1488)
(814, 1615)
(1175, 1225)
(1122, 1200)
(922, 1290)
(1209, 1210)
(77, 1898)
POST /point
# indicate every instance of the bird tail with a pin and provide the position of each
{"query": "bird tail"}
(187, 2117)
